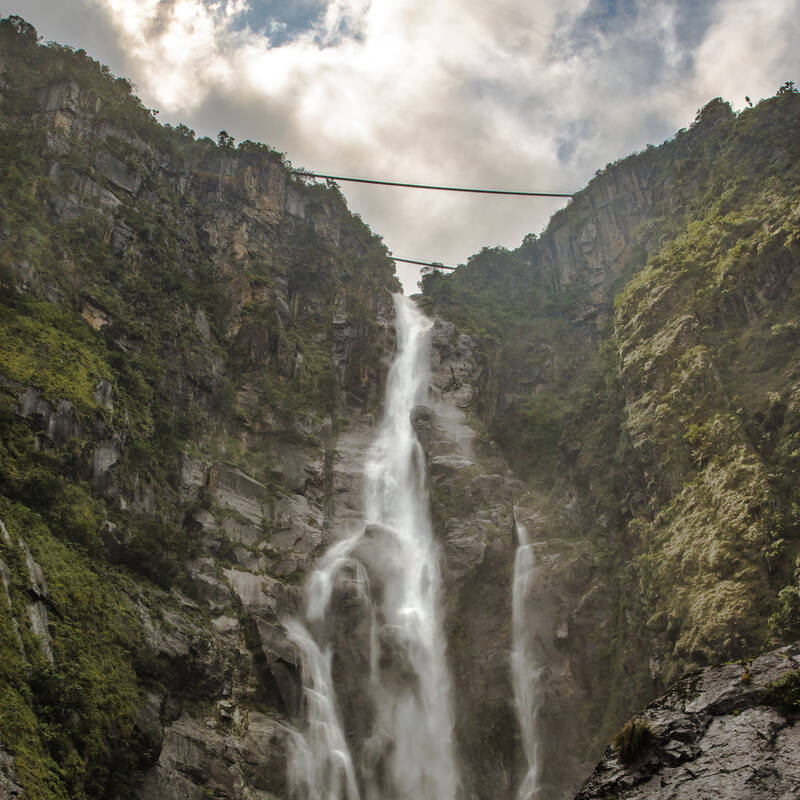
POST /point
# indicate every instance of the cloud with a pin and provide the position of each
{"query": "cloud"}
(499, 93)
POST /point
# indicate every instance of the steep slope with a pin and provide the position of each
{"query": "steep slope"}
(639, 367)
(728, 731)
(192, 350)
(192, 346)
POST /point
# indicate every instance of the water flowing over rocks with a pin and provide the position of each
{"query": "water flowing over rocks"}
(199, 597)
(471, 504)
(377, 693)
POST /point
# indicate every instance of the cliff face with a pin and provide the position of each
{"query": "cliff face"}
(193, 347)
(727, 731)
(639, 371)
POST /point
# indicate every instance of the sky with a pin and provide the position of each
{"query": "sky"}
(530, 95)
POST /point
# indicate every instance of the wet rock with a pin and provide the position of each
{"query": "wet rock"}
(297, 525)
(464, 549)
(712, 735)
(471, 510)
(348, 477)
(282, 665)
(224, 625)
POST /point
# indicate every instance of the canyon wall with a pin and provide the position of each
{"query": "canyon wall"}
(637, 366)
(193, 346)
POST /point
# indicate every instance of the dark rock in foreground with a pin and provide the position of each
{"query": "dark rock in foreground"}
(726, 732)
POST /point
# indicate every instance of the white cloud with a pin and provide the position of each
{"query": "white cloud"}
(750, 50)
(502, 93)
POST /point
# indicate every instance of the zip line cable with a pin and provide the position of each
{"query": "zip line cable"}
(433, 264)
(422, 263)
(428, 186)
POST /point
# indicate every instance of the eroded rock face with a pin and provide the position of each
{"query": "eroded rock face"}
(471, 493)
(265, 369)
(713, 735)
(9, 786)
(233, 755)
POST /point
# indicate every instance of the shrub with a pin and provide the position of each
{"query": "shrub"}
(784, 693)
(785, 622)
(633, 740)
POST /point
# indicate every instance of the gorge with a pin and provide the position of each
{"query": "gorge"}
(389, 570)
(270, 530)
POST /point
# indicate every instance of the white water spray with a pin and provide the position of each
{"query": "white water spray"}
(391, 568)
(524, 673)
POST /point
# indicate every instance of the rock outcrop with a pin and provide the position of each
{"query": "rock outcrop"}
(472, 493)
(727, 732)
(639, 373)
(194, 342)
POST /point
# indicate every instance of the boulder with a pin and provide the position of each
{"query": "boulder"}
(720, 733)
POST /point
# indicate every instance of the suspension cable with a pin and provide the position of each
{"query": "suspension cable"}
(429, 186)
(422, 263)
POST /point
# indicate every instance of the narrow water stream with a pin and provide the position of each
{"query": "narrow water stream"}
(524, 673)
(386, 577)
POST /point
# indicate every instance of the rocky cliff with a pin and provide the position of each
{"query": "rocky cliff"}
(727, 731)
(193, 349)
(638, 369)
(193, 341)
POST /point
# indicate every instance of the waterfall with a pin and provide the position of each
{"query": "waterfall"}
(524, 672)
(380, 586)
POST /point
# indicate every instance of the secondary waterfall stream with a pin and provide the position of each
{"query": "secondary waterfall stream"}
(377, 592)
(524, 673)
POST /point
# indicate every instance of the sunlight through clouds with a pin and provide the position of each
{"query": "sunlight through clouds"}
(497, 93)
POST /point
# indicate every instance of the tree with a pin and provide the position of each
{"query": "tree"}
(20, 27)
(224, 139)
(184, 131)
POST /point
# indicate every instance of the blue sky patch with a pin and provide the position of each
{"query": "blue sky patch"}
(282, 21)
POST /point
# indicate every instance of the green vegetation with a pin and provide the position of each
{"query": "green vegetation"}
(784, 693)
(633, 740)
(69, 723)
(54, 351)
(142, 317)
(642, 370)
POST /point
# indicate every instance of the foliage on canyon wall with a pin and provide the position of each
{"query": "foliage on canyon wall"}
(164, 301)
(645, 382)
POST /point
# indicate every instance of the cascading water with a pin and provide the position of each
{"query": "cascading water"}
(389, 573)
(524, 673)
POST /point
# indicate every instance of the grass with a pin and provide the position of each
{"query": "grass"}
(633, 741)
